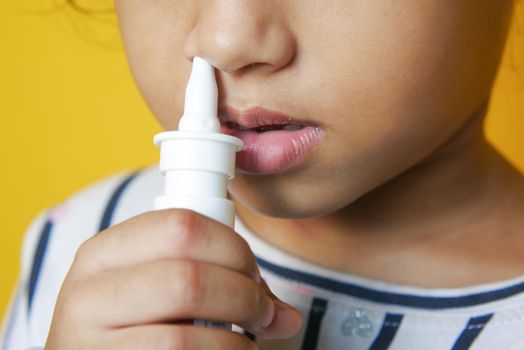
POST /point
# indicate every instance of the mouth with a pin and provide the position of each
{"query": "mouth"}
(259, 119)
(273, 142)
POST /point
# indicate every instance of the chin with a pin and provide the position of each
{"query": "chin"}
(286, 204)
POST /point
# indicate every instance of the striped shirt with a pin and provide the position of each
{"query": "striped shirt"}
(341, 311)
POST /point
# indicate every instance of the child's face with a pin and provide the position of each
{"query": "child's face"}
(388, 81)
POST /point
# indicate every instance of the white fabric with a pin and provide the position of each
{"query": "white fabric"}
(349, 321)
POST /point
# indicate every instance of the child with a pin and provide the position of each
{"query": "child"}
(390, 223)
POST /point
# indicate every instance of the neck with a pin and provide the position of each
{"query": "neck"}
(445, 214)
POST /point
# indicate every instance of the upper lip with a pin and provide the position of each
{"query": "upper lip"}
(257, 116)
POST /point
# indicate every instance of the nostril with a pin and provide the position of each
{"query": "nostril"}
(252, 66)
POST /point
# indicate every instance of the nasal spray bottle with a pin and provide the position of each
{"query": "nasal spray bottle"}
(197, 160)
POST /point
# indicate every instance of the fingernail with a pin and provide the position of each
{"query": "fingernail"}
(286, 322)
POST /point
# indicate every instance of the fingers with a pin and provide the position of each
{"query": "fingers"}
(135, 279)
(166, 234)
(286, 322)
(169, 290)
(180, 337)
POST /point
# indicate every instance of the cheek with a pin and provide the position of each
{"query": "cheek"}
(154, 39)
(397, 87)
(389, 92)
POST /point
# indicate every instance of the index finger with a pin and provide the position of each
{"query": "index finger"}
(167, 234)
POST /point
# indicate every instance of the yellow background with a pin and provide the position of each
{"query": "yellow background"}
(70, 113)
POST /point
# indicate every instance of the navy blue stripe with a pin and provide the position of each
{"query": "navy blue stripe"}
(316, 314)
(12, 319)
(424, 302)
(387, 332)
(37, 262)
(471, 331)
(107, 217)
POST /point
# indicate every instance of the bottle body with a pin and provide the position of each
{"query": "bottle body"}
(197, 167)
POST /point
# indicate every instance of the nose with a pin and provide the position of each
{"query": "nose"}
(238, 35)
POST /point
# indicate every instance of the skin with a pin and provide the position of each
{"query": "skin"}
(403, 188)
(400, 90)
(138, 284)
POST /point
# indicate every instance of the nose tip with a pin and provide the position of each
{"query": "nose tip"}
(239, 38)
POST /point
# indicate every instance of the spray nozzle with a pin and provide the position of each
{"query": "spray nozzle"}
(200, 108)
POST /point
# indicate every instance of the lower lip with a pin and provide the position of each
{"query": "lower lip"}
(275, 151)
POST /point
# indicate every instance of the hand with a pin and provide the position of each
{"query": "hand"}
(138, 285)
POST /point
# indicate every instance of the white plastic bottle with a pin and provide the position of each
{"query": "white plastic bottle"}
(197, 160)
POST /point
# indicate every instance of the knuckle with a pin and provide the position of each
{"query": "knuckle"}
(187, 284)
(182, 228)
(182, 239)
